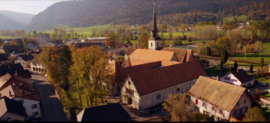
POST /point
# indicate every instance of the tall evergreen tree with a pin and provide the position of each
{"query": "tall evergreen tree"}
(251, 68)
(262, 62)
(64, 63)
(235, 65)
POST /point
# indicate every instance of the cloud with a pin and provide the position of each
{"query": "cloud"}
(26, 6)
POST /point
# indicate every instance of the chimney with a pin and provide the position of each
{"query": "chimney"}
(14, 85)
(22, 93)
(10, 93)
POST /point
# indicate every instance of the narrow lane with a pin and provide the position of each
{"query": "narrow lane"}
(52, 109)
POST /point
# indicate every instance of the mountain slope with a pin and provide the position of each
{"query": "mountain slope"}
(98, 12)
(8, 24)
(22, 18)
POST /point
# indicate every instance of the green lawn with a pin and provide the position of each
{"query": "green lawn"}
(263, 80)
(216, 71)
(7, 37)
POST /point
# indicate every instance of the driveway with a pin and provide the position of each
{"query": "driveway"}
(51, 107)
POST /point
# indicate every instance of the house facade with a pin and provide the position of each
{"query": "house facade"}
(149, 88)
(31, 45)
(24, 60)
(36, 66)
(239, 78)
(220, 100)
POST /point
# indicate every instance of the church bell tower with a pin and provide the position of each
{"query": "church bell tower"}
(154, 42)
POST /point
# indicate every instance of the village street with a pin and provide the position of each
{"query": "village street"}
(51, 107)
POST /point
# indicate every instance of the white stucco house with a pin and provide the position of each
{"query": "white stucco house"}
(11, 110)
(152, 87)
(24, 60)
(32, 45)
(220, 100)
(239, 78)
(26, 97)
(36, 66)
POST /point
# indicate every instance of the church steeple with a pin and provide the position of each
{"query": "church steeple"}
(154, 29)
(154, 42)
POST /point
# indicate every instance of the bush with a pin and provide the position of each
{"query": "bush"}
(184, 37)
(189, 39)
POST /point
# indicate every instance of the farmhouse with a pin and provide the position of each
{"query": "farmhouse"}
(219, 99)
(239, 78)
(149, 88)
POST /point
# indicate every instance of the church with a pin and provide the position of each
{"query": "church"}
(153, 58)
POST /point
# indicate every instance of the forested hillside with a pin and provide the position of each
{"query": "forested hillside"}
(98, 12)
(8, 24)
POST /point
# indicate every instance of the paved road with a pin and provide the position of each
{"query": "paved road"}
(52, 109)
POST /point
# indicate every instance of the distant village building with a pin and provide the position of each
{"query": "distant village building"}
(220, 100)
(238, 77)
(24, 60)
(36, 66)
(44, 38)
(32, 45)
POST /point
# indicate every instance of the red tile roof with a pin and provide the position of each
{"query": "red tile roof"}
(156, 79)
(121, 73)
(242, 76)
(183, 55)
(17, 92)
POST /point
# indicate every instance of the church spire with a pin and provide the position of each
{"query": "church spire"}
(154, 30)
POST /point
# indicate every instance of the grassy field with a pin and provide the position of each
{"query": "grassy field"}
(254, 56)
(242, 17)
(7, 37)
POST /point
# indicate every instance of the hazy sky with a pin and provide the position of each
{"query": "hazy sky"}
(26, 6)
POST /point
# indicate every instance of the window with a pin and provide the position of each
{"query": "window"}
(227, 78)
(246, 109)
(34, 106)
(158, 96)
(151, 44)
(213, 108)
(196, 101)
(203, 104)
(177, 90)
(221, 111)
(35, 113)
(237, 104)
(21, 101)
(245, 101)
(129, 83)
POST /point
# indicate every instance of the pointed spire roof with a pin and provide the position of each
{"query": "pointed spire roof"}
(154, 33)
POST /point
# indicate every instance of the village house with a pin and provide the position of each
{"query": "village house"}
(15, 69)
(152, 87)
(24, 94)
(8, 49)
(11, 110)
(31, 45)
(105, 113)
(238, 77)
(36, 66)
(24, 60)
(3, 59)
(18, 52)
(220, 100)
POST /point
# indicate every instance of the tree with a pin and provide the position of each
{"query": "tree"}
(229, 25)
(1, 41)
(221, 64)
(11, 59)
(92, 69)
(199, 117)
(235, 65)
(254, 114)
(208, 51)
(183, 28)
(64, 63)
(34, 33)
(179, 108)
(14, 42)
(251, 68)
(24, 40)
(107, 40)
(143, 40)
(262, 62)
(223, 43)
(224, 56)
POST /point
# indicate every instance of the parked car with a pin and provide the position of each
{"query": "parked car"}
(262, 83)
